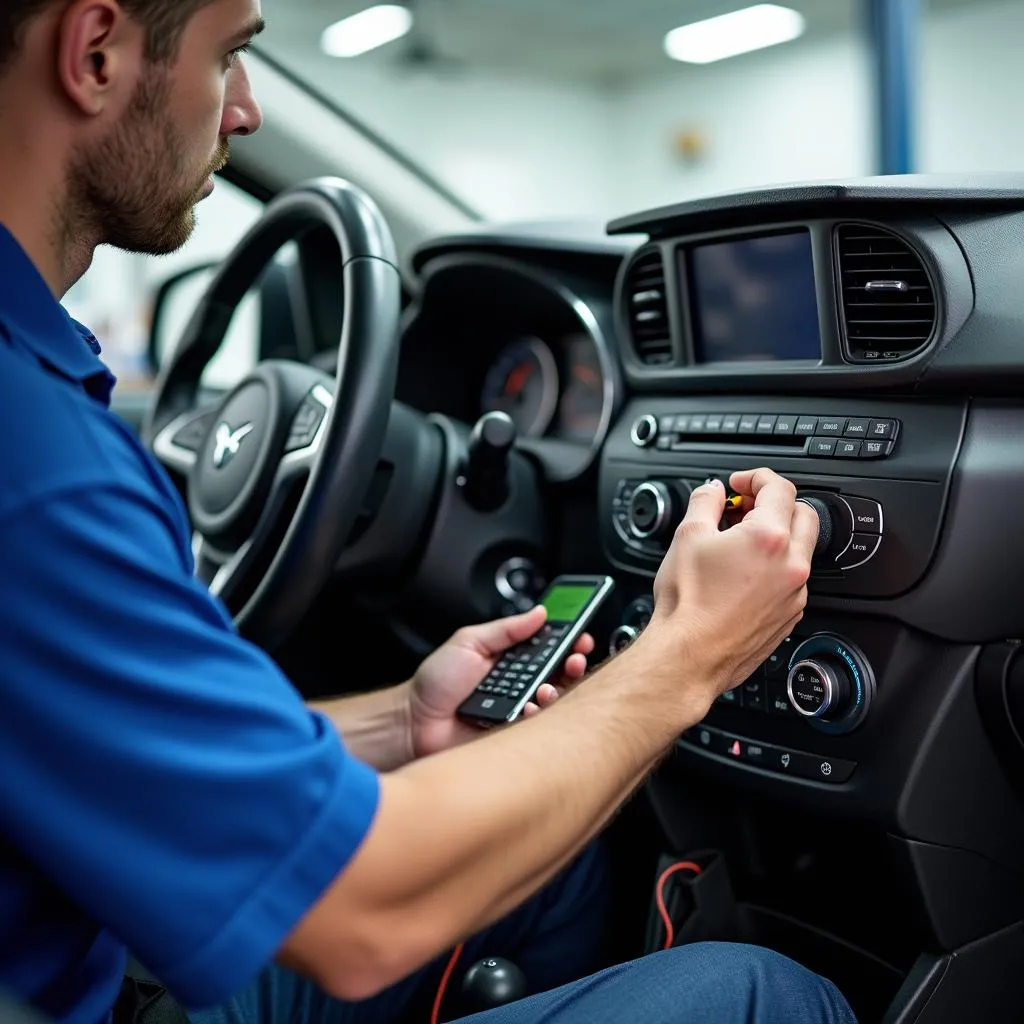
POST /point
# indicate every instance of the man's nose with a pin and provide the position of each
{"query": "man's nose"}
(242, 114)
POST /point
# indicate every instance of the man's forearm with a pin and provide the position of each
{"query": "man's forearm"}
(375, 726)
(462, 838)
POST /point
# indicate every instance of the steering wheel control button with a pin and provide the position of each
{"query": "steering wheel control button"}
(863, 547)
(798, 764)
(305, 425)
(192, 435)
(830, 683)
(644, 432)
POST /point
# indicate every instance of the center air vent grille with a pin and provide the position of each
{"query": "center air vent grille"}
(647, 310)
(887, 297)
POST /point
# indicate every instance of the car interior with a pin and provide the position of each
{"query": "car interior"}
(857, 803)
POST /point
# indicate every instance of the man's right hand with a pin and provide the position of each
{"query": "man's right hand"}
(726, 599)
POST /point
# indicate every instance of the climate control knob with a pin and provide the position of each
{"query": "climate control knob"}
(652, 510)
(817, 688)
(830, 683)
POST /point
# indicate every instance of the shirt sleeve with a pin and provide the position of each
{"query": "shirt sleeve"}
(156, 767)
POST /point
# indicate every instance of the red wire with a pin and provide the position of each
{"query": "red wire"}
(659, 895)
(435, 1014)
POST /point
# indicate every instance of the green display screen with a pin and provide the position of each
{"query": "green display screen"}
(564, 603)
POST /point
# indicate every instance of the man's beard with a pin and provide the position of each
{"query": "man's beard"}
(133, 190)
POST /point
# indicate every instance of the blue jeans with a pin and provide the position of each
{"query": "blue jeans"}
(557, 938)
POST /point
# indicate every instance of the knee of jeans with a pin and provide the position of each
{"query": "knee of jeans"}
(761, 985)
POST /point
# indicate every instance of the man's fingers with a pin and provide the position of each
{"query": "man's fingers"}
(806, 525)
(773, 495)
(706, 507)
(491, 638)
(575, 667)
(543, 698)
(585, 645)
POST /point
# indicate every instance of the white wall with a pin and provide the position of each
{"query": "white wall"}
(795, 112)
(972, 89)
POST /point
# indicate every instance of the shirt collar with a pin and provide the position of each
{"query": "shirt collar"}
(29, 311)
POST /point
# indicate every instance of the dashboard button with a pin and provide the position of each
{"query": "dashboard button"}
(748, 424)
(822, 446)
(785, 425)
(666, 424)
(731, 424)
(863, 547)
(847, 449)
(732, 697)
(821, 769)
(857, 428)
(766, 424)
(831, 427)
(697, 424)
(882, 430)
(713, 424)
(778, 699)
(777, 664)
(806, 426)
(644, 432)
(664, 442)
(755, 694)
(867, 514)
(875, 449)
(682, 424)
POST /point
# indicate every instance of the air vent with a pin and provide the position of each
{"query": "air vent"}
(888, 300)
(647, 310)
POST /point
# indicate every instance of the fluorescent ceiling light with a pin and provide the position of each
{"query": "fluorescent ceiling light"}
(366, 30)
(728, 35)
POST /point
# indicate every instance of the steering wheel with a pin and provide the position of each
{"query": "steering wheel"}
(278, 471)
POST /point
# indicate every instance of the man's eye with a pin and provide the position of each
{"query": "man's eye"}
(237, 52)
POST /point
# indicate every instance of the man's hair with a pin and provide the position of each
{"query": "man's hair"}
(164, 21)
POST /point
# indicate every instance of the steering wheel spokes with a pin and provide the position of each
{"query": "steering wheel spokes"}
(278, 471)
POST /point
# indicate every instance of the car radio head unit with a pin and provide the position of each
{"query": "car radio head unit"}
(753, 299)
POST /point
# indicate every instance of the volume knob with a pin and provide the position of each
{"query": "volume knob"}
(651, 510)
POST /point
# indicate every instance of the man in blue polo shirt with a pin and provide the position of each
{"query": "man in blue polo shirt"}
(162, 787)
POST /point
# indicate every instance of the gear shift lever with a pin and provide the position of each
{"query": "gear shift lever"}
(492, 982)
(486, 472)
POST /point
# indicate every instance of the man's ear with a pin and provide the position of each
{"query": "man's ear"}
(99, 55)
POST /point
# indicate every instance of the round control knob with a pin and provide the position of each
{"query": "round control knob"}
(621, 639)
(816, 688)
(826, 524)
(650, 509)
(830, 683)
(644, 432)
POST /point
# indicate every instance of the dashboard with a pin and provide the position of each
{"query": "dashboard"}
(864, 339)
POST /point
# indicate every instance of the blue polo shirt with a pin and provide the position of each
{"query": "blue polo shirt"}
(163, 787)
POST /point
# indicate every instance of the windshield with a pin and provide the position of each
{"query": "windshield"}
(529, 109)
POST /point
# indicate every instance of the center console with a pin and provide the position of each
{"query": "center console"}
(845, 343)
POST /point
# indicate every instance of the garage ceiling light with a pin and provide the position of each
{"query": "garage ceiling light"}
(366, 30)
(728, 35)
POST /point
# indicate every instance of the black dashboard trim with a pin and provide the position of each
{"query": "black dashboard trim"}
(898, 195)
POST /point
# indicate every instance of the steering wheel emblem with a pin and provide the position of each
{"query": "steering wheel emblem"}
(228, 443)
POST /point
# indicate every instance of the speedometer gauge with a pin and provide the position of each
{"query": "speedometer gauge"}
(523, 382)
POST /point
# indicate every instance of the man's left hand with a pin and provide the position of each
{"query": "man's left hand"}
(452, 673)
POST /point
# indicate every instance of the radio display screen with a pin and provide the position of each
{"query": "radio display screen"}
(754, 299)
